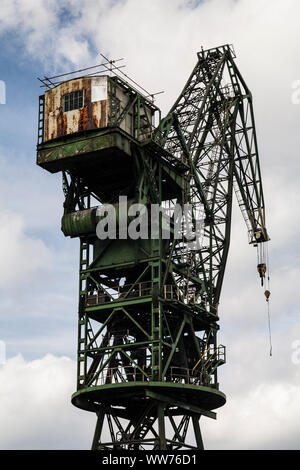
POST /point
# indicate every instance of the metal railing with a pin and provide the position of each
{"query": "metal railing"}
(114, 375)
(171, 292)
(138, 290)
(111, 375)
(201, 374)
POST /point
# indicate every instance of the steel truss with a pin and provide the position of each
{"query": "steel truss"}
(148, 308)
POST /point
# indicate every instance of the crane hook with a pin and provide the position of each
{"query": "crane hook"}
(267, 295)
(262, 268)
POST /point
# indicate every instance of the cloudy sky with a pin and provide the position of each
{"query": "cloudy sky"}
(159, 40)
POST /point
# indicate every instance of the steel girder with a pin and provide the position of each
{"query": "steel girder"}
(148, 309)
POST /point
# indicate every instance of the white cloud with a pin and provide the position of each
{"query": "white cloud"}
(35, 411)
(262, 409)
(39, 26)
(34, 194)
(21, 256)
(263, 418)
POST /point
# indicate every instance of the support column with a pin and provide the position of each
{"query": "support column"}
(161, 426)
(197, 431)
(98, 429)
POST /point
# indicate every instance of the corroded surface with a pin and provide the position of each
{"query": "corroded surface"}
(58, 123)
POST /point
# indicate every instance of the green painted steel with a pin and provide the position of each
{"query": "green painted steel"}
(79, 223)
(148, 314)
(60, 154)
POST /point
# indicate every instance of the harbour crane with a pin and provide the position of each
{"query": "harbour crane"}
(148, 313)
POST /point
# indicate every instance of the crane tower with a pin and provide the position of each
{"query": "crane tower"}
(150, 200)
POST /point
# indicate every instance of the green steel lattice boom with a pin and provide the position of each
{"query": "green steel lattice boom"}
(148, 354)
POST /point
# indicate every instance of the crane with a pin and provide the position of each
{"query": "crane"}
(148, 314)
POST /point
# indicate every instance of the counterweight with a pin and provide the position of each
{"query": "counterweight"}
(148, 312)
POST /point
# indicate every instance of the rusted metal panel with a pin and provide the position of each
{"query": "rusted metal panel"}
(98, 89)
(105, 103)
(93, 114)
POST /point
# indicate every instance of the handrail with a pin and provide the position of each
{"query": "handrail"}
(134, 373)
(210, 357)
(200, 359)
(217, 350)
(139, 289)
(208, 361)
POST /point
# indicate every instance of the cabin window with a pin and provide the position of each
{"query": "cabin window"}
(73, 100)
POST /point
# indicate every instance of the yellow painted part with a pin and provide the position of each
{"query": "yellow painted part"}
(199, 360)
(208, 359)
